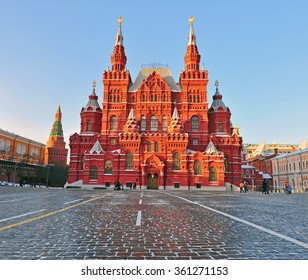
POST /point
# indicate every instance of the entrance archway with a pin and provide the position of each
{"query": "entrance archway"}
(152, 181)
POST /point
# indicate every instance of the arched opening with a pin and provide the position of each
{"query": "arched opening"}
(108, 167)
(152, 181)
(213, 174)
(93, 173)
(129, 161)
(197, 167)
(194, 123)
(114, 123)
(176, 161)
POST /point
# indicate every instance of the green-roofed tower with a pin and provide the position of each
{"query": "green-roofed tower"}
(56, 153)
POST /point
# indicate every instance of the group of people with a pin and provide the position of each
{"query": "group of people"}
(118, 186)
(243, 187)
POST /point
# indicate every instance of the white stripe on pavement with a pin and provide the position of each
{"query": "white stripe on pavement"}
(302, 244)
(138, 222)
(22, 215)
(69, 202)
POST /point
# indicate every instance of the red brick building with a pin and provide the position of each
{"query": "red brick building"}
(155, 132)
(55, 152)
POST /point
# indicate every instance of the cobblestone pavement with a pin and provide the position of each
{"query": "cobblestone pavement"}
(133, 224)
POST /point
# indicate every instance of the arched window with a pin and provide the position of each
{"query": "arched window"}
(194, 98)
(155, 98)
(93, 173)
(129, 161)
(190, 98)
(119, 98)
(7, 146)
(143, 123)
(213, 174)
(108, 167)
(164, 98)
(152, 97)
(114, 123)
(176, 161)
(156, 147)
(164, 124)
(88, 126)
(197, 167)
(133, 98)
(143, 98)
(114, 98)
(18, 150)
(194, 123)
(198, 98)
(149, 146)
(154, 123)
(110, 98)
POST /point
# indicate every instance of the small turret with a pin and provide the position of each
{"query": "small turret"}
(175, 124)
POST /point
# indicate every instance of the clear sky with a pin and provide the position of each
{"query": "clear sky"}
(51, 51)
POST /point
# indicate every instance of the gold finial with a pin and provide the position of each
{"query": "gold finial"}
(94, 84)
(120, 20)
(236, 130)
(217, 83)
(191, 20)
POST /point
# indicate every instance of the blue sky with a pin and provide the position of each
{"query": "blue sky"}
(51, 51)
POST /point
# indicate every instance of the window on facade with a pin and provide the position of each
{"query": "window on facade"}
(194, 123)
(108, 167)
(156, 147)
(226, 164)
(110, 98)
(113, 123)
(7, 146)
(113, 141)
(89, 126)
(220, 127)
(18, 150)
(213, 174)
(143, 123)
(164, 98)
(129, 161)
(164, 124)
(119, 98)
(1, 145)
(195, 142)
(154, 123)
(114, 98)
(176, 161)
(133, 98)
(197, 167)
(190, 98)
(93, 173)
(198, 99)
(143, 98)
(149, 146)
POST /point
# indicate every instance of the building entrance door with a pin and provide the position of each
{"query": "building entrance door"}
(152, 181)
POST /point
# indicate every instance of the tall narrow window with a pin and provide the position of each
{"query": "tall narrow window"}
(88, 126)
(194, 123)
(164, 124)
(108, 167)
(154, 123)
(93, 173)
(213, 174)
(143, 123)
(129, 161)
(114, 123)
(149, 146)
(220, 127)
(176, 161)
(143, 98)
(226, 163)
(197, 167)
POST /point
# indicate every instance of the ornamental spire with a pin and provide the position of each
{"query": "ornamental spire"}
(118, 57)
(57, 125)
(119, 38)
(191, 37)
(192, 56)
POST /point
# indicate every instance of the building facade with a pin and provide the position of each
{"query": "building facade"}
(254, 150)
(291, 168)
(155, 132)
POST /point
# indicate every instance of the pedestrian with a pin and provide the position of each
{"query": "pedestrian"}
(241, 187)
(134, 185)
(231, 188)
(286, 185)
(245, 187)
(289, 190)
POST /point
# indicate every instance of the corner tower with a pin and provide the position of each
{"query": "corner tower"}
(55, 152)
(194, 103)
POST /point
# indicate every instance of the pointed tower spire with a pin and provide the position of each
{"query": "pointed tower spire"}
(57, 125)
(131, 123)
(55, 152)
(118, 57)
(175, 123)
(192, 56)
(119, 38)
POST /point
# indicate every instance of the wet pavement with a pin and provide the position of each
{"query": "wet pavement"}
(132, 224)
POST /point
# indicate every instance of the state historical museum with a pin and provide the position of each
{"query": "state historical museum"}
(154, 131)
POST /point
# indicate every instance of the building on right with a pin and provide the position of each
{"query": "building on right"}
(291, 168)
